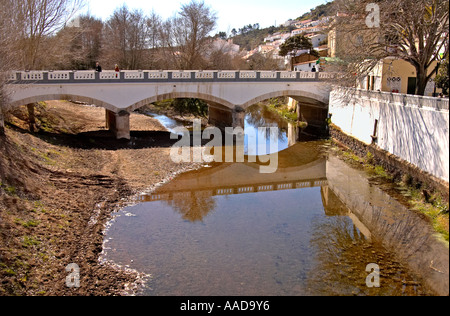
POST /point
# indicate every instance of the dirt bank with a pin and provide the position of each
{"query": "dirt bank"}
(58, 188)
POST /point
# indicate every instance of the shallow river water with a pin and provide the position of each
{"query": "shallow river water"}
(227, 230)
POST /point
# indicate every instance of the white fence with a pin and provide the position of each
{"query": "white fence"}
(73, 76)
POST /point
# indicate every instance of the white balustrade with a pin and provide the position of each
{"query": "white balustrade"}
(204, 75)
(288, 75)
(59, 75)
(134, 75)
(32, 75)
(84, 75)
(307, 75)
(11, 76)
(326, 75)
(181, 75)
(247, 75)
(109, 75)
(226, 75)
(164, 75)
(161, 75)
(268, 75)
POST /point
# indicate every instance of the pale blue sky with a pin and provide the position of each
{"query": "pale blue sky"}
(231, 13)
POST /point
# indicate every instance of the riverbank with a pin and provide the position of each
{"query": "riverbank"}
(415, 189)
(60, 186)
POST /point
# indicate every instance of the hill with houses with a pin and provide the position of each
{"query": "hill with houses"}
(314, 25)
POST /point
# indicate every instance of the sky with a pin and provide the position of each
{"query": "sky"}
(231, 13)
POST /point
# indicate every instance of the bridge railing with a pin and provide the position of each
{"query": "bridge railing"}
(67, 76)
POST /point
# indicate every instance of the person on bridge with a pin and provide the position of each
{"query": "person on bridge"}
(98, 68)
(117, 70)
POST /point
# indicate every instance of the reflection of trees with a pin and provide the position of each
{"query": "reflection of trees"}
(342, 254)
(259, 115)
(193, 206)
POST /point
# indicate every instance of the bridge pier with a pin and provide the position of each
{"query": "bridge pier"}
(31, 116)
(316, 118)
(119, 124)
(223, 118)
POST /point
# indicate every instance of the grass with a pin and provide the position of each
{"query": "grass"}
(432, 205)
(8, 189)
(27, 224)
(280, 107)
(30, 241)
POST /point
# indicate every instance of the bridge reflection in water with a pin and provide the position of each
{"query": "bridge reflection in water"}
(300, 166)
(229, 230)
(310, 228)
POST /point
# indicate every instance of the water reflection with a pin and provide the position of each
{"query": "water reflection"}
(310, 228)
(227, 230)
(193, 206)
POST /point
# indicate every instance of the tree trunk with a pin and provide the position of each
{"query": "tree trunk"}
(2, 123)
(421, 81)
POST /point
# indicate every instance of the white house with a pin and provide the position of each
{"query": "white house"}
(307, 66)
(316, 39)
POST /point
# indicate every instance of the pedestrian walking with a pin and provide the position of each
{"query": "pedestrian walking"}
(98, 68)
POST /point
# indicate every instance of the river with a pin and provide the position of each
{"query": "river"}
(311, 228)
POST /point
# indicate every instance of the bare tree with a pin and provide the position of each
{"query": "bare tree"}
(415, 31)
(126, 38)
(9, 28)
(186, 36)
(40, 19)
(86, 45)
(260, 61)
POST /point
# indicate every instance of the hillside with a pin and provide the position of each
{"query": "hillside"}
(250, 38)
(318, 12)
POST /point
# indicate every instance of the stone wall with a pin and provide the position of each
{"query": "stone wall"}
(412, 128)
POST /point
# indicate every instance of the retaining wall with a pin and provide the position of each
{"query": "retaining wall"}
(413, 128)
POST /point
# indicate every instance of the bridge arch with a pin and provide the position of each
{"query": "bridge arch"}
(65, 96)
(210, 99)
(302, 96)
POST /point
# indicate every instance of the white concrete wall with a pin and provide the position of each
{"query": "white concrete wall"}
(413, 128)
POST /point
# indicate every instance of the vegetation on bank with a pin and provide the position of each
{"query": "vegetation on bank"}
(280, 106)
(182, 107)
(416, 195)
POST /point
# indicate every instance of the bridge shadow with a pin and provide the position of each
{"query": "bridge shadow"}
(103, 139)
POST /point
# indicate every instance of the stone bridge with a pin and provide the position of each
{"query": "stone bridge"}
(227, 93)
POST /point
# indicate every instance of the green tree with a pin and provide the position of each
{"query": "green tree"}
(442, 78)
(297, 43)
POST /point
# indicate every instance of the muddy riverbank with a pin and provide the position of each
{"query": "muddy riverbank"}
(59, 187)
